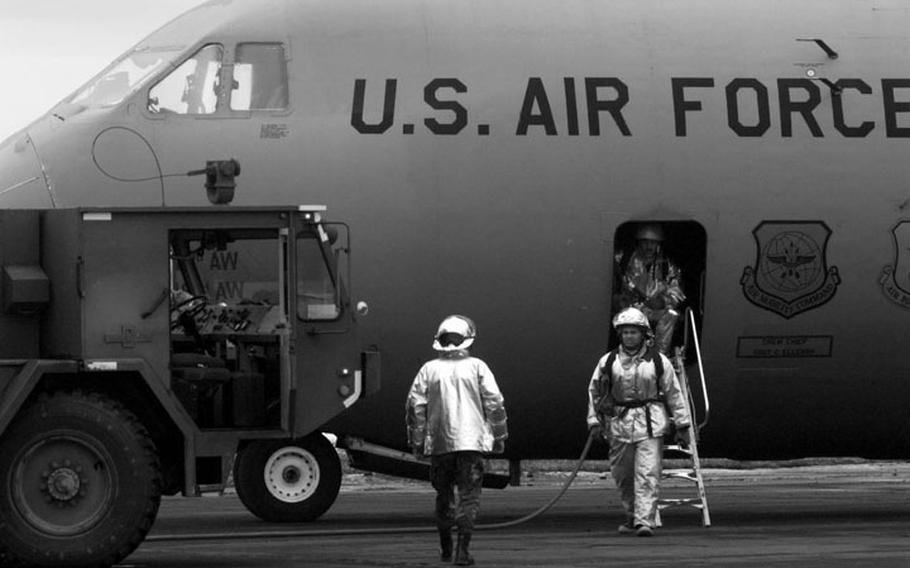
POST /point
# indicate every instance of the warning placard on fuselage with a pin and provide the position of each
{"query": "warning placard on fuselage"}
(784, 346)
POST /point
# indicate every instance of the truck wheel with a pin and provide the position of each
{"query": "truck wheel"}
(79, 483)
(288, 480)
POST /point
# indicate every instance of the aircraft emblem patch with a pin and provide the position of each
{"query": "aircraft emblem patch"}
(791, 273)
(895, 278)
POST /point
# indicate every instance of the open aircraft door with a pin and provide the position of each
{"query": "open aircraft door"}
(682, 249)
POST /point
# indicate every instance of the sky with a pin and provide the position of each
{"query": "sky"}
(49, 48)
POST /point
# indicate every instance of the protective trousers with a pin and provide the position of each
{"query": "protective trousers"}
(461, 471)
(636, 469)
(663, 322)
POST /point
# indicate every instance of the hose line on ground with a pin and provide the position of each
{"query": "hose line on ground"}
(542, 510)
(396, 530)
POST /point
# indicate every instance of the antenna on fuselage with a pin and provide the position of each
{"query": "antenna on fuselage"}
(811, 71)
(821, 43)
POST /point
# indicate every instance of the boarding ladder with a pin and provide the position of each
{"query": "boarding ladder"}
(692, 473)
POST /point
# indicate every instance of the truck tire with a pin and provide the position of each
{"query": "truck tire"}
(79, 483)
(288, 480)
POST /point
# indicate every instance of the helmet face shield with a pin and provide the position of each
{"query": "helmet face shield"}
(447, 339)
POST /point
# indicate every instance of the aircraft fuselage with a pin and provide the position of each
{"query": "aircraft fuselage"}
(491, 158)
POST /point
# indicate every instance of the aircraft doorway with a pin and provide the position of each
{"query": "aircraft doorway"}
(666, 273)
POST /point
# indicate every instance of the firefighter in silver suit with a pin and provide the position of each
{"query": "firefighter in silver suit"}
(633, 397)
(455, 414)
(649, 281)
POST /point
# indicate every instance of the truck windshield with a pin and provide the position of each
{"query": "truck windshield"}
(247, 268)
(320, 255)
(123, 77)
(230, 267)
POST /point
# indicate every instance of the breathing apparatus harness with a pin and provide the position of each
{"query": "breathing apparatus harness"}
(605, 403)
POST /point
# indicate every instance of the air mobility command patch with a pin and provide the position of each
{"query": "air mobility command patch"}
(895, 278)
(791, 274)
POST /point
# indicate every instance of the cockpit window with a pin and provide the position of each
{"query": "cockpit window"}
(260, 77)
(123, 77)
(192, 88)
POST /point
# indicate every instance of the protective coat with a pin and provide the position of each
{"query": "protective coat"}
(633, 401)
(654, 287)
(455, 405)
(634, 379)
(643, 280)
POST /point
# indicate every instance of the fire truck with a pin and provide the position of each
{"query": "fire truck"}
(163, 351)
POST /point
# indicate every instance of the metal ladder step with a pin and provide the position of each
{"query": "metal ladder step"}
(691, 474)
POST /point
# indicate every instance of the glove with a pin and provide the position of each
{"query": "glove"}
(499, 446)
(417, 451)
(683, 436)
(597, 432)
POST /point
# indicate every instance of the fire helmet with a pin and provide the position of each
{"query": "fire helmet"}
(454, 333)
(631, 316)
(650, 232)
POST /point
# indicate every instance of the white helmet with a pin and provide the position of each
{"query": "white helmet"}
(462, 327)
(631, 316)
(650, 232)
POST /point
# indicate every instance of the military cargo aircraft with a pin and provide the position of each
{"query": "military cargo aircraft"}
(491, 159)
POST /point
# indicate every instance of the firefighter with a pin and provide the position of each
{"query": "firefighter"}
(632, 396)
(455, 414)
(647, 280)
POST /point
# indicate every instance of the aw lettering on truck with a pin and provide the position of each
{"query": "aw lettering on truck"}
(152, 351)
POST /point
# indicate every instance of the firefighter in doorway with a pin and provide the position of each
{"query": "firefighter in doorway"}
(632, 398)
(455, 414)
(649, 281)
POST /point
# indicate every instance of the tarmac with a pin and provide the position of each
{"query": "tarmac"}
(806, 514)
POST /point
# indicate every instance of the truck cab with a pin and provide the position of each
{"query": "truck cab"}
(172, 346)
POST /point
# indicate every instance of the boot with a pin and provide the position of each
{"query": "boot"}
(462, 558)
(445, 544)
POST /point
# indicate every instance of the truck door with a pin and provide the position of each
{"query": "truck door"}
(327, 354)
(229, 332)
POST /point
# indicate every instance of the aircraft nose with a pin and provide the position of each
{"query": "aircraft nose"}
(22, 180)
